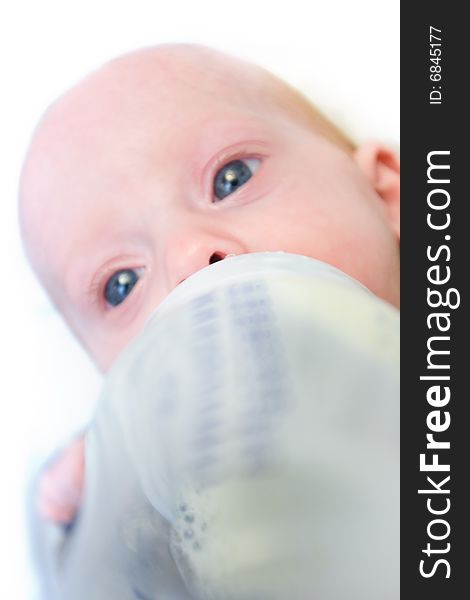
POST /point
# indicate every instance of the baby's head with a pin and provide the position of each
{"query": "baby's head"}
(171, 158)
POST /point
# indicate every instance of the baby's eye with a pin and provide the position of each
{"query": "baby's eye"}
(233, 175)
(119, 285)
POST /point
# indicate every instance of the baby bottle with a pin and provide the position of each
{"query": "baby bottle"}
(245, 446)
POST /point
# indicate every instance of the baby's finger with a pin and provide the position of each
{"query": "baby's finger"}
(56, 500)
(56, 512)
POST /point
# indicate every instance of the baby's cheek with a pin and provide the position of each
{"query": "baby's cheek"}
(376, 264)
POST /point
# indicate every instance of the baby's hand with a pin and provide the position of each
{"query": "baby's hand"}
(61, 485)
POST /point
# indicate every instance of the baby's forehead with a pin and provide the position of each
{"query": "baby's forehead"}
(167, 80)
(152, 91)
(150, 96)
(140, 101)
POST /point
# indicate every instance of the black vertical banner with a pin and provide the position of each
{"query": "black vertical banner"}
(435, 252)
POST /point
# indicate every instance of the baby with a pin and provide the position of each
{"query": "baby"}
(169, 159)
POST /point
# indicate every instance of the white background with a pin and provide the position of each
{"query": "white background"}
(343, 54)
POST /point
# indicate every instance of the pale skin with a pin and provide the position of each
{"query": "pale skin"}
(119, 181)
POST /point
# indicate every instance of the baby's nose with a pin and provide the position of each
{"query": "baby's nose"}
(215, 257)
(187, 256)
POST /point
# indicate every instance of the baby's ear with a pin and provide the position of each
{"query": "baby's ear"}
(381, 166)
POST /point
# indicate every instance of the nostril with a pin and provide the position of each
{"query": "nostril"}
(216, 257)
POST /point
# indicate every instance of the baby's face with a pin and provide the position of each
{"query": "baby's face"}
(149, 171)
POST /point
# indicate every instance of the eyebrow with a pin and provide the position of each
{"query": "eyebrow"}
(238, 130)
